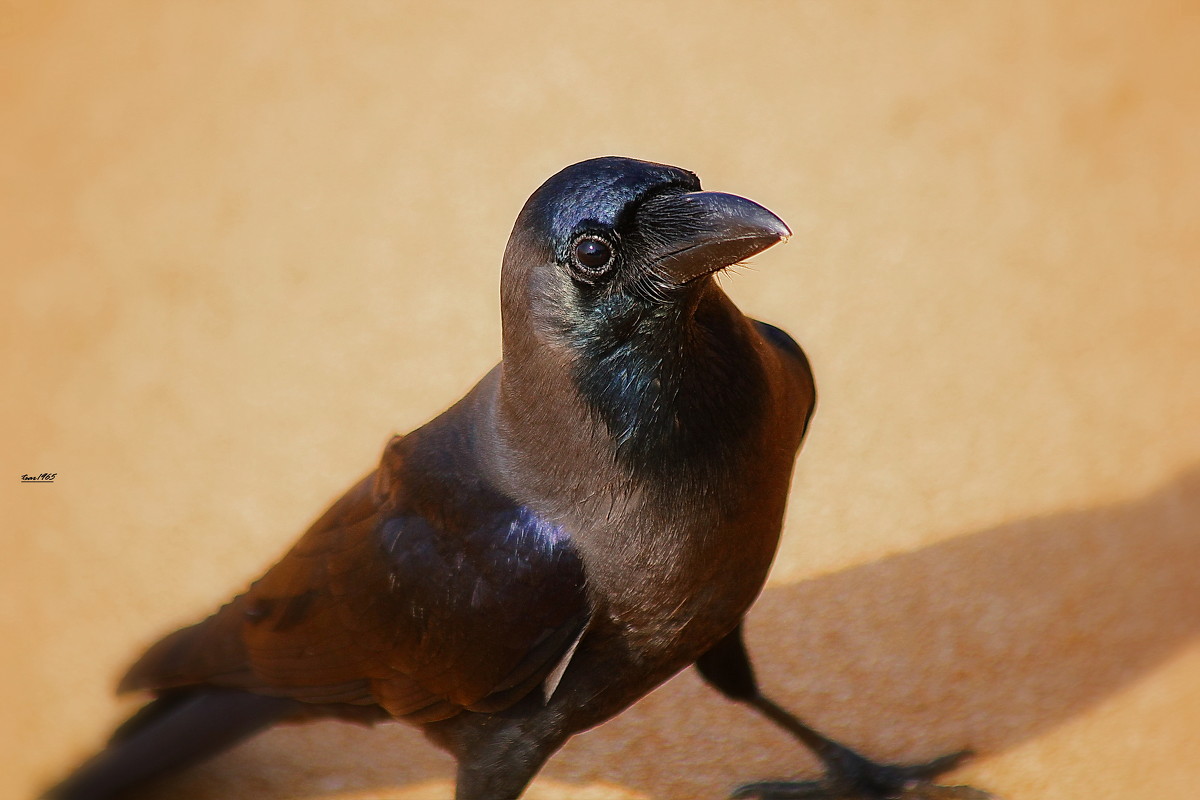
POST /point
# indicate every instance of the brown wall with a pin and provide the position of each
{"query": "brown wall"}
(243, 242)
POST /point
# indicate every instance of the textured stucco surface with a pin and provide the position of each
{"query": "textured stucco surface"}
(242, 243)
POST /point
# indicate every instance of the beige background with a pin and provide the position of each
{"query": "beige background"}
(242, 243)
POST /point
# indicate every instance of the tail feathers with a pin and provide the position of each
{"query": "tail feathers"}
(177, 730)
(209, 652)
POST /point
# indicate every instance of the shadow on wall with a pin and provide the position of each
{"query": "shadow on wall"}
(991, 638)
(983, 641)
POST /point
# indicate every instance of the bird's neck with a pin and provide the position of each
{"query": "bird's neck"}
(655, 393)
(674, 390)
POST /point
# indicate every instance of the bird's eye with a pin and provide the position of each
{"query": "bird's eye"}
(592, 253)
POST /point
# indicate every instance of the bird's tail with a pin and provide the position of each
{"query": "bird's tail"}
(173, 731)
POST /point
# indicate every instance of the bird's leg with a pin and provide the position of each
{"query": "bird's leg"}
(848, 774)
(497, 756)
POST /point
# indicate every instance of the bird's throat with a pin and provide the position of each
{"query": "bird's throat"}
(675, 387)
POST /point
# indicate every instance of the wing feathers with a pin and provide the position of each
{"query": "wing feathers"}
(392, 598)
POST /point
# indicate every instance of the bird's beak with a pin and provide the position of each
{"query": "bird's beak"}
(715, 230)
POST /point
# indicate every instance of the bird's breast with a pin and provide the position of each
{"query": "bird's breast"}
(673, 574)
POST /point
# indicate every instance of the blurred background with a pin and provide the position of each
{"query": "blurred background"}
(243, 243)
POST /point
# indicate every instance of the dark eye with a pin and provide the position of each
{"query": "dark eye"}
(592, 253)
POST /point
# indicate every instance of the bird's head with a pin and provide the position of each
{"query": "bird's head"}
(610, 237)
(608, 280)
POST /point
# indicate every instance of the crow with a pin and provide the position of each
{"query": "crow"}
(596, 514)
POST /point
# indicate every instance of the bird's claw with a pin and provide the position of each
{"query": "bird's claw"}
(851, 777)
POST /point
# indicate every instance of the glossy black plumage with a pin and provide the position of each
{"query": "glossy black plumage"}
(598, 513)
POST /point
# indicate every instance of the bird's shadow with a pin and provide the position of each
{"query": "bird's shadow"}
(985, 640)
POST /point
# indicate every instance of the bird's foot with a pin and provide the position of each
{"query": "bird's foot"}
(850, 776)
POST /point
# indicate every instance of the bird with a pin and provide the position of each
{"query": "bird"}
(597, 514)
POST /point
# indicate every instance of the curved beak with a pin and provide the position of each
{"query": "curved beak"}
(708, 231)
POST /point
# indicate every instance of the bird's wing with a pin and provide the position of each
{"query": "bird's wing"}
(784, 343)
(421, 590)
(794, 363)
